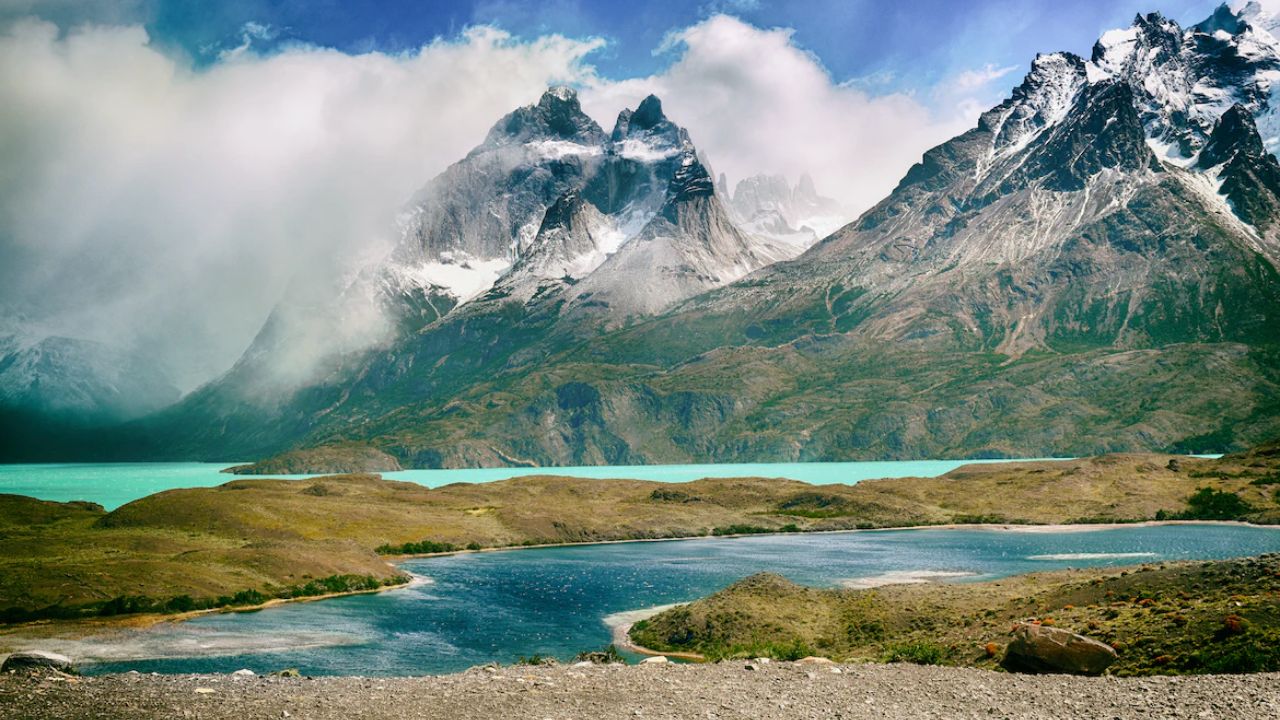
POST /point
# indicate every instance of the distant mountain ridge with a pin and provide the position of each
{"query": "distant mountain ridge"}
(1094, 267)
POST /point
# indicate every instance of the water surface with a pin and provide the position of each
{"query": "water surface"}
(114, 484)
(484, 607)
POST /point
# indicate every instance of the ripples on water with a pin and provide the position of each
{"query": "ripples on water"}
(497, 606)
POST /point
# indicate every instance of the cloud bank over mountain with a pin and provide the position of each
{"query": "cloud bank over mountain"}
(151, 204)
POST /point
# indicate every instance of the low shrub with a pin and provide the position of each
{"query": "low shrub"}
(536, 659)
(919, 653)
(780, 650)
(1247, 652)
(423, 547)
(754, 529)
(1210, 504)
(608, 656)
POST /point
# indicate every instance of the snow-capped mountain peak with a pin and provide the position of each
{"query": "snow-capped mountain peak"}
(556, 116)
(1184, 79)
(1042, 100)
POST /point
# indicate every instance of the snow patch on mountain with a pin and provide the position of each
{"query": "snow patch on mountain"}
(559, 149)
(642, 151)
(459, 274)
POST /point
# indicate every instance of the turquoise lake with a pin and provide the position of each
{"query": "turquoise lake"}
(114, 484)
(477, 608)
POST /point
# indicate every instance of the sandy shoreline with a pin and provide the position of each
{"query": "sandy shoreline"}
(28, 636)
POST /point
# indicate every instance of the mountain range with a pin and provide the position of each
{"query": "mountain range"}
(1092, 268)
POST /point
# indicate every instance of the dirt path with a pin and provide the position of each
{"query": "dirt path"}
(725, 691)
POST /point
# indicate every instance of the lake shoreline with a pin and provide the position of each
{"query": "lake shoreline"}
(989, 527)
(86, 628)
(89, 628)
(274, 536)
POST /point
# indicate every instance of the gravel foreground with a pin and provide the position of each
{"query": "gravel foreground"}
(726, 690)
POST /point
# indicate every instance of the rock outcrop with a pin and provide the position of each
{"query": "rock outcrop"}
(1040, 649)
(37, 660)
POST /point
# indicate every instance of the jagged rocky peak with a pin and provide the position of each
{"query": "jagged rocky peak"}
(647, 116)
(1043, 99)
(690, 181)
(1223, 19)
(646, 134)
(769, 205)
(469, 224)
(1247, 174)
(574, 238)
(1235, 133)
(1258, 16)
(806, 190)
(557, 115)
(1184, 79)
(762, 191)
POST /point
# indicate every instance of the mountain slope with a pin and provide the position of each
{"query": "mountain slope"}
(56, 391)
(548, 231)
(1092, 268)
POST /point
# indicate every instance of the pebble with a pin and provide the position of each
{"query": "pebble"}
(787, 690)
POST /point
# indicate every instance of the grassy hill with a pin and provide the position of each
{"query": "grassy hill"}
(1180, 617)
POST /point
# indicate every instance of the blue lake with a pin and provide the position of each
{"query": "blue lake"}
(476, 608)
(114, 484)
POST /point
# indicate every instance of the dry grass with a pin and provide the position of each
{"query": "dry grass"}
(256, 533)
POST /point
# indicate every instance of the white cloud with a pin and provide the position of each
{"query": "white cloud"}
(755, 102)
(249, 33)
(981, 77)
(145, 202)
(142, 201)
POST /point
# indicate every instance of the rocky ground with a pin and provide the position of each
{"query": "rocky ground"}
(724, 690)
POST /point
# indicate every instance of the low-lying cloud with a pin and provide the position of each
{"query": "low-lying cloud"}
(145, 202)
(150, 204)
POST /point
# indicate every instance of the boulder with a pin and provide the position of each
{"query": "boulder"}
(814, 660)
(33, 660)
(1039, 649)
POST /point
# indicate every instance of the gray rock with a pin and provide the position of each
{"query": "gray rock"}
(1040, 649)
(33, 660)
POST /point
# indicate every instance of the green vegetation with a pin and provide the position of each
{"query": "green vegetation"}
(134, 604)
(422, 547)
(919, 653)
(608, 656)
(1192, 617)
(733, 386)
(1246, 652)
(738, 529)
(535, 659)
(1210, 504)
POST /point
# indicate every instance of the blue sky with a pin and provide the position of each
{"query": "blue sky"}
(889, 46)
